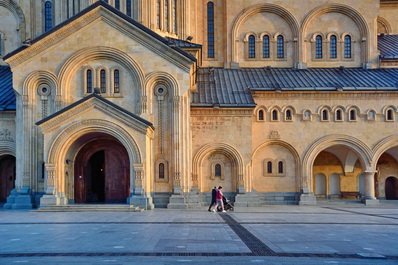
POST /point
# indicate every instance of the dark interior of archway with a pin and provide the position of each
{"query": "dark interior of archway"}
(7, 176)
(96, 192)
(391, 188)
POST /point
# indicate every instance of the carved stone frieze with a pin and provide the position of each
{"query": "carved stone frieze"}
(5, 136)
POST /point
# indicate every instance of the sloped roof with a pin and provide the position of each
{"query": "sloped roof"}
(182, 43)
(388, 46)
(7, 96)
(232, 87)
(113, 10)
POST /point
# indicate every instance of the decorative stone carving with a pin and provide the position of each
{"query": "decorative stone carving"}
(5, 136)
(274, 135)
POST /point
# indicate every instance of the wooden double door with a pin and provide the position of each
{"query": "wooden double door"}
(102, 172)
(7, 176)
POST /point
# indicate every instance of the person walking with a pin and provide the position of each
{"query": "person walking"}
(219, 196)
(213, 197)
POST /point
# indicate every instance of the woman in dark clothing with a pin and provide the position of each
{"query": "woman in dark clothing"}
(213, 197)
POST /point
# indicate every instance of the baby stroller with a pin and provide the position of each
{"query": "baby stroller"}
(228, 205)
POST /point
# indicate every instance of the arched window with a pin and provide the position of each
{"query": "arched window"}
(158, 14)
(274, 115)
(161, 170)
(325, 115)
(48, 16)
(266, 53)
(117, 4)
(103, 81)
(217, 170)
(318, 47)
(175, 16)
(269, 167)
(128, 7)
(353, 115)
(390, 115)
(166, 15)
(210, 30)
(280, 47)
(89, 80)
(338, 115)
(333, 47)
(280, 167)
(260, 115)
(116, 81)
(288, 115)
(252, 46)
(347, 46)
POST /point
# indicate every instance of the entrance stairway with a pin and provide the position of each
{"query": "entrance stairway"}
(90, 208)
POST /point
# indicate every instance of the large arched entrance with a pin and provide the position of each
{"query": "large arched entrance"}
(102, 172)
(7, 176)
(391, 188)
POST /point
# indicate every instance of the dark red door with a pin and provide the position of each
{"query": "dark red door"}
(7, 176)
(102, 173)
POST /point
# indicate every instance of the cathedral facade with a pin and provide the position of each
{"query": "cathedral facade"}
(154, 102)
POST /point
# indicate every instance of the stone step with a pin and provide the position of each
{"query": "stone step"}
(90, 208)
(279, 202)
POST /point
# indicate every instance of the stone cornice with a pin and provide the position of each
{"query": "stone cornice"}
(7, 115)
(113, 20)
(221, 112)
(78, 110)
(325, 94)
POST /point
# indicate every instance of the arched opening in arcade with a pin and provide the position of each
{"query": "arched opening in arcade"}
(7, 176)
(335, 174)
(386, 178)
(101, 170)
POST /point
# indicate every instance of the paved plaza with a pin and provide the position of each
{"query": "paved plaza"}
(325, 234)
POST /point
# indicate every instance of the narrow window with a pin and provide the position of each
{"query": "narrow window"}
(280, 167)
(161, 171)
(260, 115)
(117, 4)
(269, 167)
(318, 47)
(158, 14)
(103, 81)
(252, 46)
(89, 80)
(389, 115)
(210, 30)
(280, 47)
(353, 115)
(266, 46)
(338, 115)
(333, 47)
(288, 115)
(166, 14)
(175, 16)
(274, 115)
(347, 46)
(128, 7)
(67, 8)
(217, 170)
(325, 115)
(48, 24)
(116, 81)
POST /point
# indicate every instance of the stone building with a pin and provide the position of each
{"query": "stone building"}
(154, 102)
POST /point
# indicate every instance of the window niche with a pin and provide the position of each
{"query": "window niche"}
(390, 115)
(274, 167)
(162, 170)
(325, 115)
(352, 115)
(338, 115)
(371, 115)
(260, 115)
(217, 170)
(307, 115)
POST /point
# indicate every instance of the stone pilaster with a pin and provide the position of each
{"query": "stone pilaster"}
(50, 197)
(138, 194)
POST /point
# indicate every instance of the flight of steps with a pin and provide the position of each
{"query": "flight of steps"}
(90, 208)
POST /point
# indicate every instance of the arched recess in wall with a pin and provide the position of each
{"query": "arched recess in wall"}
(292, 151)
(153, 79)
(19, 15)
(34, 79)
(383, 26)
(383, 146)
(57, 152)
(74, 62)
(345, 10)
(363, 152)
(263, 8)
(225, 149)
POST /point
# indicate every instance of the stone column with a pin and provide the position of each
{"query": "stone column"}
(370, 198)
(307, 197)
(138, 194)
(50, 197)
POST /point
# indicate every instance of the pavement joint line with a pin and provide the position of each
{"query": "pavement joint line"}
(359, 213)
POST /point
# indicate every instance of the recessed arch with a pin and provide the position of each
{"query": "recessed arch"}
(19, 15)
(384, 22)
(383, 146)
(34, 79)
(262, 8)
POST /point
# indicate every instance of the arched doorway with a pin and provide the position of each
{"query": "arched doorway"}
(391, 188)
(101, 172)
(320, 182)
(334, 184)
(7, 176)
